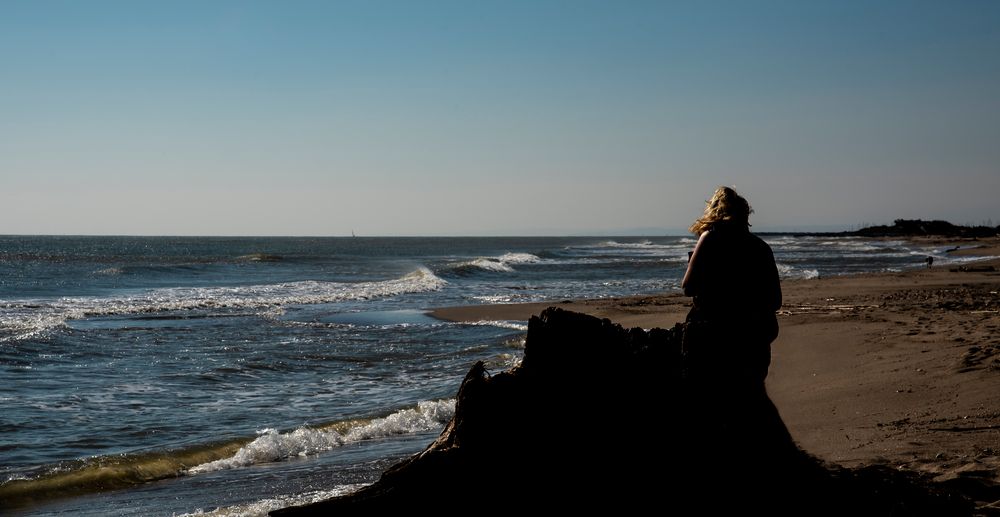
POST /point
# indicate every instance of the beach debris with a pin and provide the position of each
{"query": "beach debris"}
(956, 429)
(808, 308)
(972, 269)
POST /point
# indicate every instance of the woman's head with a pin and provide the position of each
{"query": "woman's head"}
(724, 206)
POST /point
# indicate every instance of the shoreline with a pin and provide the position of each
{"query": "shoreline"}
(900, 369)
(652, 310)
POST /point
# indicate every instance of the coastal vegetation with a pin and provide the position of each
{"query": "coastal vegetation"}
(935, 228)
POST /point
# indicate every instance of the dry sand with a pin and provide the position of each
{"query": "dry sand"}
(893, 368)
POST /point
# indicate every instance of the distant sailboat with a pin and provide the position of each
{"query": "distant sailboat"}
(352, 234)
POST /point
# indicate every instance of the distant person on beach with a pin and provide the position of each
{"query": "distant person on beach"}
(930, 261)
(733, 279)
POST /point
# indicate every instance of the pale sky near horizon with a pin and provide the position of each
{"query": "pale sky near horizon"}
(493, 118)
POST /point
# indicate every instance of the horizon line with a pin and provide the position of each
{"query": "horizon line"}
(665, 233)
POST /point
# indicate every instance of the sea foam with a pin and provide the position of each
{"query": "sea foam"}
(505, 324)
(501, 264)
(131, 469)
(29, 318)
(262, 507)
(791, 272)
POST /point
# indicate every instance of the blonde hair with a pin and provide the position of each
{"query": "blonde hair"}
(725, 205)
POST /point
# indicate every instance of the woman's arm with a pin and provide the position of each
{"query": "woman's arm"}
(692, 277)
(774, 294)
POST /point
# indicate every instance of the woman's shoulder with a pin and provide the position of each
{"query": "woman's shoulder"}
(725, 231)
(759, 240)
(761, 247)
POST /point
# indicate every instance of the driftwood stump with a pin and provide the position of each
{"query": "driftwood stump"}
(598, 417)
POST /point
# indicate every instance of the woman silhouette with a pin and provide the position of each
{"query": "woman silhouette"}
(733, 279)
(726, 344)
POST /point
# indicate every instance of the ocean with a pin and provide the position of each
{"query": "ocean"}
(172, 376)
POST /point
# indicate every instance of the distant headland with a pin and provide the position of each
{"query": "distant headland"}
(912, 228)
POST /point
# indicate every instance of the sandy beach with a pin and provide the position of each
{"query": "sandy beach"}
(900, 369)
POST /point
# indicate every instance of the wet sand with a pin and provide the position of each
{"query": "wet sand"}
(891, 368)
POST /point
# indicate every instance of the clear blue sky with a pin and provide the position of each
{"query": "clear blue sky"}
(493, 118)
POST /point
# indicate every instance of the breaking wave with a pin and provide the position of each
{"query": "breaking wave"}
(791, 272)
(272, 445)
(501, 264)
(29, 318)
(122, 471)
